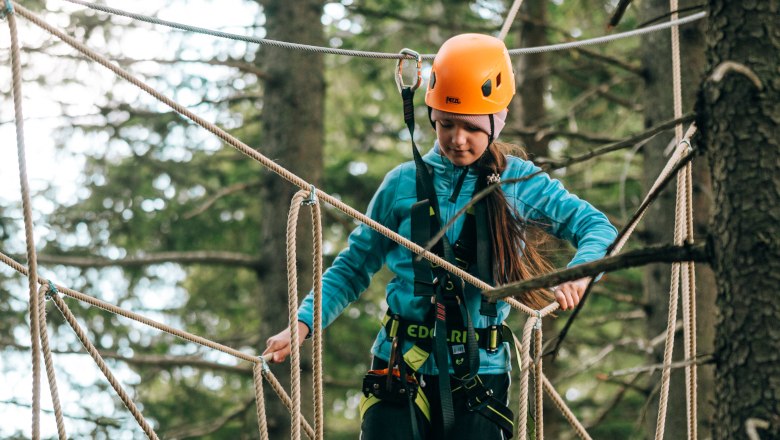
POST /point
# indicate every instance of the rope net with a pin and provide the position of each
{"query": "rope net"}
(41, 289)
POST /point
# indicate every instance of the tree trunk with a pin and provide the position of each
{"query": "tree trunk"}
(659, 226)
(738, 117)
(528, 111)
(527, 108)
(293, 136)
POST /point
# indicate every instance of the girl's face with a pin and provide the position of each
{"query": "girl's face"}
(462, 143)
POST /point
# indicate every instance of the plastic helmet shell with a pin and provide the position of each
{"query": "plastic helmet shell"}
(472, 74)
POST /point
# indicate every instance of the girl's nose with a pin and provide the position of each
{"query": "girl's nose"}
(459, 136)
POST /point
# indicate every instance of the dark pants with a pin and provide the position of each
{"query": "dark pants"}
(388, 420)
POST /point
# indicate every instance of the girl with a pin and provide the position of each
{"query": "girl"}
(460, 392)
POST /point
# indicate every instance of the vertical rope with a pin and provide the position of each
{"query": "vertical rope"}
(63, 308)
(262, 421)
(538, 388)
(319, 405)
(679, 226)
(691, 368)
(55, 396)
(292, 304)
(510, 18)
(32, 278)
(688, 269)
(525, 362)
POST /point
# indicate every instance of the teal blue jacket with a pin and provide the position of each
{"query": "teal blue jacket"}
(539, 199)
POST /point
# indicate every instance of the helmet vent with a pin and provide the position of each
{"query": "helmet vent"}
(487, 88)
(498, 80)
(432, 82)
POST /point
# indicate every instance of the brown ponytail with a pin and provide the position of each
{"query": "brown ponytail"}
(516, 243)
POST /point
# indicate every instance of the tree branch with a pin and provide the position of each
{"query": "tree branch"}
(554, 164)
(653, 254)
(185, 257)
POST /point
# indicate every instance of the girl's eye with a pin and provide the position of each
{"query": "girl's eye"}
(470, 128)
(445, 124)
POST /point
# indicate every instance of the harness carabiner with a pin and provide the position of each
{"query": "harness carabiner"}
(399, 79)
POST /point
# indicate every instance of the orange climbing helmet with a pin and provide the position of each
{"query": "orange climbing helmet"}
(472, 74)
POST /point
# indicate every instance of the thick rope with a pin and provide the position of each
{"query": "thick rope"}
(262, 420)
(688, 268)
(679, 226)
(561, 405)
(538, 388)
(292, 304)
(165, 328)
(51, 376)
(32, 280)
(66, 313)
(681, 273)
(525, 362)
(691, 349)
(317, 341)
(380, 55)
(510, 18)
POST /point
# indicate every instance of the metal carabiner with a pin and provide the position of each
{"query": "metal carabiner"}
(399, 79)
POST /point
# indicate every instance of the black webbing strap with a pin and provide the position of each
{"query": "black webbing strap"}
(484, 250)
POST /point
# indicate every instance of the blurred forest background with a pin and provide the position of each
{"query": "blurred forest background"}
(161, 219)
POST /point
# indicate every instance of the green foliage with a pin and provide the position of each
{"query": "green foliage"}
(154, 183)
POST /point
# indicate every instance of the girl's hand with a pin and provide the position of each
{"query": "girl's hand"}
(569, 294)
(279, 344)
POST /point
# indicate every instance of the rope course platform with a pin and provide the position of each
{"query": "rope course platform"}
(42, 289)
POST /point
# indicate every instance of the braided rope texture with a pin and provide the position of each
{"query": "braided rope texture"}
(32, 280)
(49, 362)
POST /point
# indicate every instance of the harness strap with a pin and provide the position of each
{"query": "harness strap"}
(489, 339)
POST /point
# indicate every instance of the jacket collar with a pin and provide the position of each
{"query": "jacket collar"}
(441, 164)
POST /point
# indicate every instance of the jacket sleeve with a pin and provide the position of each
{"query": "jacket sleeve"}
(351, 271)
(566, 216)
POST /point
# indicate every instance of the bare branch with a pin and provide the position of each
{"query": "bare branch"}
(188, 431)
(699, 360)
(185, 257)
(100, 421)
(620, 9)
(554, 164)
(640, 257)
(221, 193)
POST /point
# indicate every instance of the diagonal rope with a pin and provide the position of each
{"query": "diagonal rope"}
(10, 262)
(510, 18)
(55, 395)
(270, 164)
(66, 313)
(379, 55)
(32, 278)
